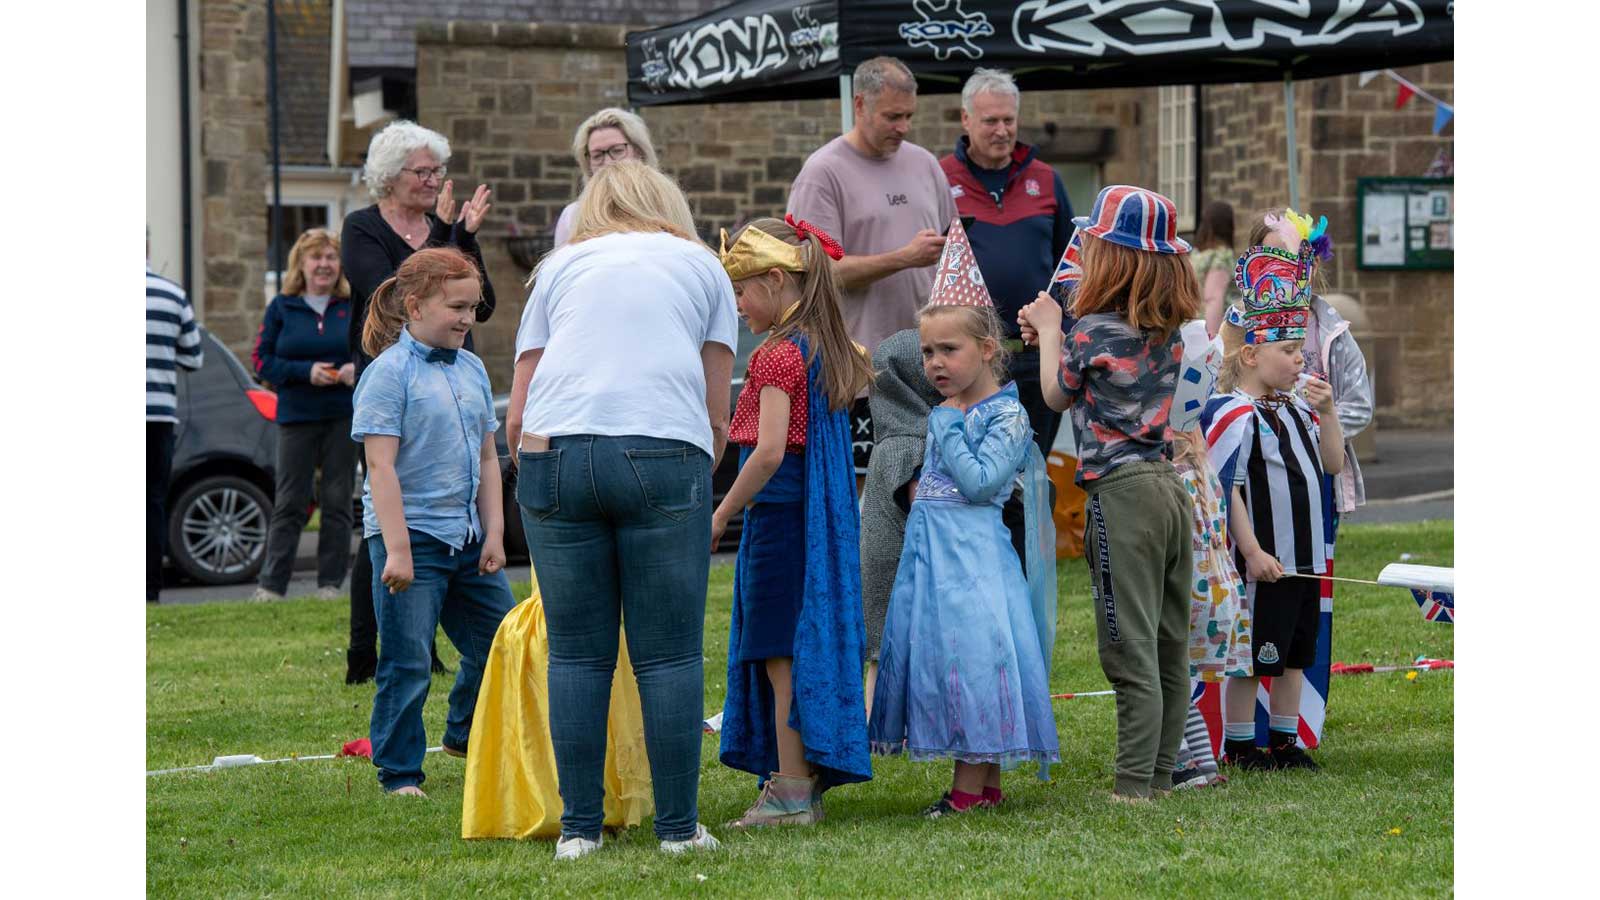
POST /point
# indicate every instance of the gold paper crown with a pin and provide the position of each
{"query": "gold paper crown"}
(756, 251)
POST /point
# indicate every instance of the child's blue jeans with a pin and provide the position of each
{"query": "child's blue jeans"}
(446, 590)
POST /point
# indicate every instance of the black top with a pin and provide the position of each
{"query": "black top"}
(371, 251)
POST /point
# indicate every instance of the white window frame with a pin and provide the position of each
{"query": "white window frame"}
(1178, 156)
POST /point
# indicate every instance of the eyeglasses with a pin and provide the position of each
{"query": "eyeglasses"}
(428, 174)
(616, 153)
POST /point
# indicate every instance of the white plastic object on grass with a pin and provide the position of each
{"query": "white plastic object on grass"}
(1419, 578)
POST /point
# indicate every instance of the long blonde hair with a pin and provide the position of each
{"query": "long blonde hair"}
(845, 369)
(422, 275)
(629, 196)
(294, 280)
(1232, 366)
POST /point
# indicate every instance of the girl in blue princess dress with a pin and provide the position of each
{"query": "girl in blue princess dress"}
(965, 662)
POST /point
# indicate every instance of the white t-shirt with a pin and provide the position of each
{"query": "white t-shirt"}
(621, 319)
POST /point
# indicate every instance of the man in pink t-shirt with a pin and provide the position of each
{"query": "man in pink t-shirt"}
(885, 199)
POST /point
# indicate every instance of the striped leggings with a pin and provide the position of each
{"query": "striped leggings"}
(1196, 747)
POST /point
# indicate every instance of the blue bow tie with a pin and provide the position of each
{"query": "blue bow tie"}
(440, 354)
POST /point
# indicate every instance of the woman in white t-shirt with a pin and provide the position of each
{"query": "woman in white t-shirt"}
(620, 408)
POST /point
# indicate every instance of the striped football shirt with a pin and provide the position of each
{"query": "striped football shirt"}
(171, 339)
(1271, 450)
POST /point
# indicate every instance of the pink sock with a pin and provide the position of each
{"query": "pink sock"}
(963, 801)
(992, 796)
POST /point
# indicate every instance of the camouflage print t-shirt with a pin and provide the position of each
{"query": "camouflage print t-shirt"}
(1120, 381)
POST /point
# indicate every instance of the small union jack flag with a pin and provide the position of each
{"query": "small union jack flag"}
(1068, 272)
(1436, 606)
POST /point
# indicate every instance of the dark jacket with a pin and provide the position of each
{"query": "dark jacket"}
(291, 338)
(371, 252)
(1024, 221)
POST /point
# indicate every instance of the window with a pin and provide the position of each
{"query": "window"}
(293, 220)
(1175, 133)
(1083, 182)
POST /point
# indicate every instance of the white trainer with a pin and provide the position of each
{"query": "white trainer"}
(575, 847)
(262, 595)
(328, 592)
(702, 840)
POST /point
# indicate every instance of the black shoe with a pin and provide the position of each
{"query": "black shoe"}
(451, 750)
(941, 808)
(1250, 758)
(1290, 756)
(360, 667)
(1188, 777)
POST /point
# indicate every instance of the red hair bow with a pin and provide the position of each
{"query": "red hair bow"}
(802, 228)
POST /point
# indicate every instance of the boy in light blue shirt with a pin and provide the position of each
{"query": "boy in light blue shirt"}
(432, 494)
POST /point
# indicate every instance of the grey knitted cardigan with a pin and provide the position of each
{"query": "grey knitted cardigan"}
(901, 399)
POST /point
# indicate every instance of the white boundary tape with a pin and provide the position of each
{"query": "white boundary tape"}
(242, 760)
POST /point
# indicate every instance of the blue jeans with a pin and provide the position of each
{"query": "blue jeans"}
(619, 529)
(446, 590)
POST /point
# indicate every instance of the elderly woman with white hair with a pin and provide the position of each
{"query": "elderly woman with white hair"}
(610, 135)
(415, 208)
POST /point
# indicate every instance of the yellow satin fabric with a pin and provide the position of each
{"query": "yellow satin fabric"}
(511, 788)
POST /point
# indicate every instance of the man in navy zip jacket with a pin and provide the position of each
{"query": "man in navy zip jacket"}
(1021, 222)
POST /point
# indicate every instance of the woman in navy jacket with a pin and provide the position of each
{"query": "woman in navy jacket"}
(302, 351)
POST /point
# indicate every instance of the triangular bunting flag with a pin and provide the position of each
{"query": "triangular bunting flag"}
(958, 281)
(1441, 117)
(1367, 77)
(1403, 96)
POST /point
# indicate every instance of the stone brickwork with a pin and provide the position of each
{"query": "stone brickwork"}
(510, 96)
(232, 169)
(1346, 132)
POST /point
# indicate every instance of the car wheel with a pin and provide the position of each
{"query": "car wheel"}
(218, 530)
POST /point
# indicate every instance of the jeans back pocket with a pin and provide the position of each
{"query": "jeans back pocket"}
(539, 483)
(670, 479)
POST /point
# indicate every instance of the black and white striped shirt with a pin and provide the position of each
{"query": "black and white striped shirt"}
(171, 339)
(1279, 466)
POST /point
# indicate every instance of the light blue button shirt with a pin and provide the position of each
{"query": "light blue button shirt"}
(441, 413)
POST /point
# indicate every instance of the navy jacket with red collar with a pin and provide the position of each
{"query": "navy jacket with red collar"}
(1023, 223)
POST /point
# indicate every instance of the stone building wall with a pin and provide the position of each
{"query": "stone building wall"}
(231, 170)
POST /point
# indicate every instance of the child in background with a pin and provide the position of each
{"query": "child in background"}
(794, 713)
(1272, 449)
(1219, 627)
(425, 414)
(1118, 369)
(965, 662)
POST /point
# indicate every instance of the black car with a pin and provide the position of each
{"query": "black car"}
(220, 500)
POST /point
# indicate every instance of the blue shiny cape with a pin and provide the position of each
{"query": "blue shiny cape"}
(829, 709)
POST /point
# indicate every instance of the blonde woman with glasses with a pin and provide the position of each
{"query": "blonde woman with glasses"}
(620, 406)
(609, 136)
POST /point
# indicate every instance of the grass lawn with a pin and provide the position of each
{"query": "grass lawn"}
(268, 680)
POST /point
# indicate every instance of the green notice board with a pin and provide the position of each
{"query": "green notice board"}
(1405, 223)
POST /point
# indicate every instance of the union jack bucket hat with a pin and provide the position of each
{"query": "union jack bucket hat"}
(1135, 218)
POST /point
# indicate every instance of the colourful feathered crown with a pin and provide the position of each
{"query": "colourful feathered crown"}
(1296, 228)
(1277, 294)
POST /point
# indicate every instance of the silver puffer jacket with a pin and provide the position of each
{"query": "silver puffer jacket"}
(1352, 397)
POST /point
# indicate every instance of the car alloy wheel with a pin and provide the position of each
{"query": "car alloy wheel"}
(219, 530)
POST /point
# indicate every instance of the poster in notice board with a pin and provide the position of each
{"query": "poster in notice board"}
(1405, 223)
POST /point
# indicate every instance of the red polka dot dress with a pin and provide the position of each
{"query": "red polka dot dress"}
(780, 365)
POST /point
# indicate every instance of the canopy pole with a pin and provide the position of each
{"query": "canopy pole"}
(847, 118)
(1294, 156)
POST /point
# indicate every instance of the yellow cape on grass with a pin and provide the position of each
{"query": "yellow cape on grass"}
(511, 788)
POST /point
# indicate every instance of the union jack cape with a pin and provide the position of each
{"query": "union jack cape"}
(1224, 422)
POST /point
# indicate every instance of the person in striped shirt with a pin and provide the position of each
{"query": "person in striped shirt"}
(1272, 447)
(171, 341)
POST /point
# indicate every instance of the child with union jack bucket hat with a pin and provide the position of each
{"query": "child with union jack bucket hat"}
(1116, 368)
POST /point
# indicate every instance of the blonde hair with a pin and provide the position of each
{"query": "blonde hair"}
(633, 129)
(294, 281)
(422, 275)
(1151, 291)
(1190, 447)
(1232, 366)
(845, 369)
(629, 196)
(981, 323)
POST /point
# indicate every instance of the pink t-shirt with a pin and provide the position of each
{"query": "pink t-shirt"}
(872, 206)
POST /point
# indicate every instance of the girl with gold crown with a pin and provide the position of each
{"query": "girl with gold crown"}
(794, 714)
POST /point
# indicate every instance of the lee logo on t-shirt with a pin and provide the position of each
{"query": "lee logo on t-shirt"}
(897, 199)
